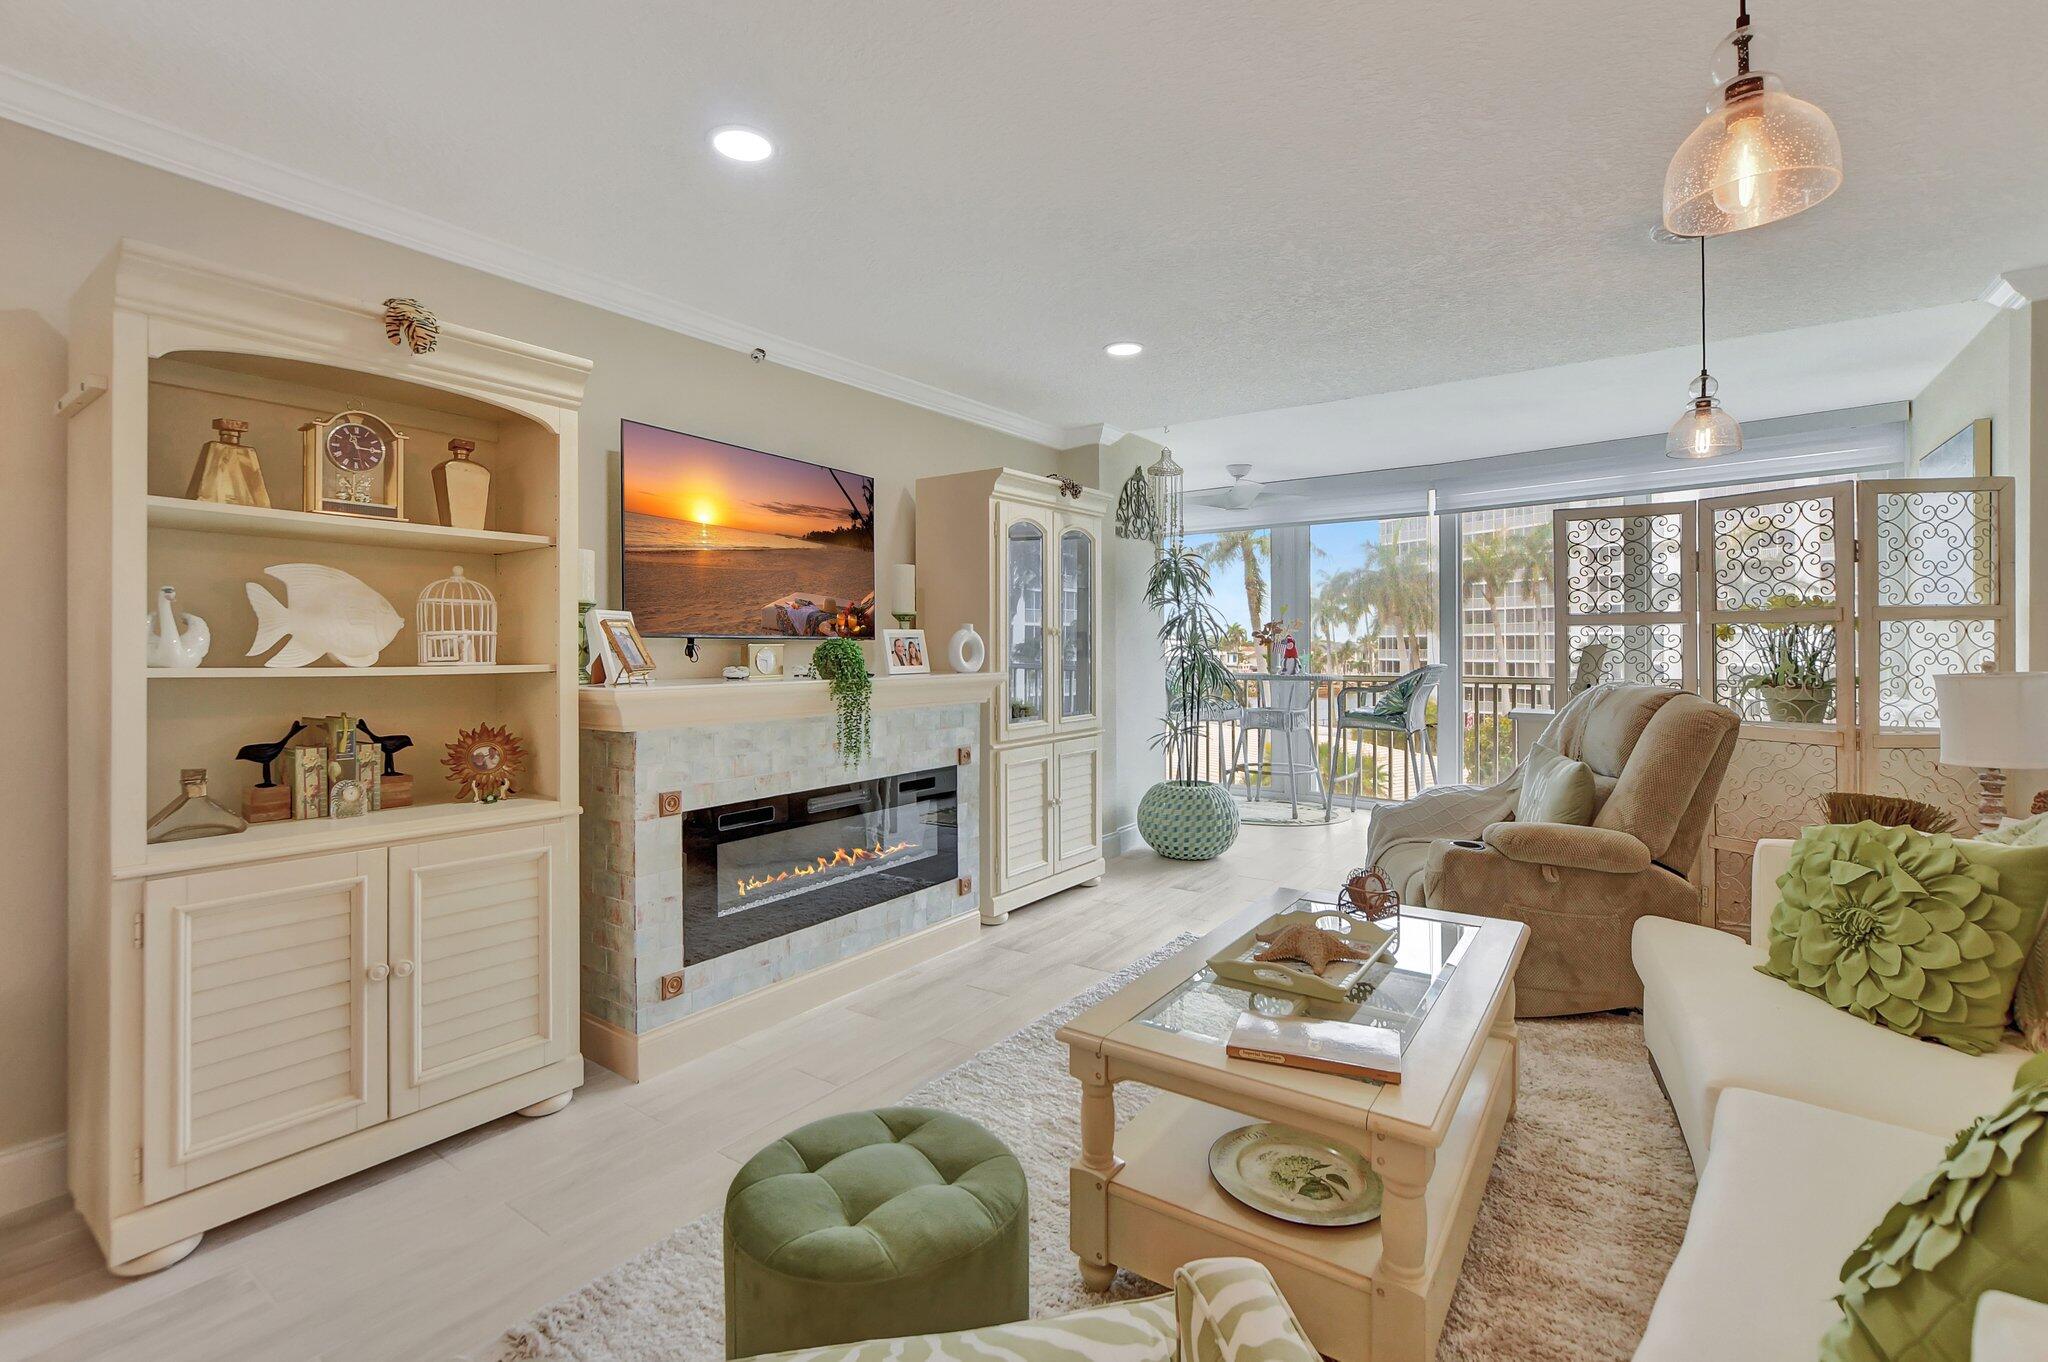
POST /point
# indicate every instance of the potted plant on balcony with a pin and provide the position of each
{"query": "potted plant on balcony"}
(1794, 671)
(1183, 817)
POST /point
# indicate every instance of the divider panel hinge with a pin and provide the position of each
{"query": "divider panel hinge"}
(138, 931)
(138, 1163)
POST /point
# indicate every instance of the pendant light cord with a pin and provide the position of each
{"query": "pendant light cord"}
(1703, 305)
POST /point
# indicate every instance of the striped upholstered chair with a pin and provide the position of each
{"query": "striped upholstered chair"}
(1220, 1308)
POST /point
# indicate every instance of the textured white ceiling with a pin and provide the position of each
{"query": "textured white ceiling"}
(1831, 367)
(1288, 203)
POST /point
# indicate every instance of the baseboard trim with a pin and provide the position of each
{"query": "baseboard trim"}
(1121, 841)
(31, 1173)
(642, 1056)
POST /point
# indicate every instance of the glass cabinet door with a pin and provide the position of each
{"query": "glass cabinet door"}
(1024, 629)
(1077, 624)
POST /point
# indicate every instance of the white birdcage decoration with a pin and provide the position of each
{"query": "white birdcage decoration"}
(457, 623)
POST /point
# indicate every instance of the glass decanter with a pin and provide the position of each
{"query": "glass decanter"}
(192, 814)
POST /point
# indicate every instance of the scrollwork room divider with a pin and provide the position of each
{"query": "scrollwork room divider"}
(1821, 614)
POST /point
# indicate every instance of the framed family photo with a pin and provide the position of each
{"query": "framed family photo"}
(903, 651)
(618, 655)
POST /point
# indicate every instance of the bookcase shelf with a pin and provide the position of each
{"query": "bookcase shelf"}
(350, 673)
(264, 841)
(178, 513)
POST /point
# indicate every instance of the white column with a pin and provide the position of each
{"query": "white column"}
(1450, 649)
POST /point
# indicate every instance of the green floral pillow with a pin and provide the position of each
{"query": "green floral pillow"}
(1978, 1222)
(1914, 931)
(1393, 701)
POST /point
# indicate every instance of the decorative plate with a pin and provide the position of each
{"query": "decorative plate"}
(1292, 1175)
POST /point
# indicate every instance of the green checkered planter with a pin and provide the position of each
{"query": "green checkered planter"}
(1188, 820)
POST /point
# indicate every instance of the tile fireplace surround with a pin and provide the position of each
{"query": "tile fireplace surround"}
(721, 744)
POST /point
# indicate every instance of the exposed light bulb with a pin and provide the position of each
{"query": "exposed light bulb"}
(1737, 187)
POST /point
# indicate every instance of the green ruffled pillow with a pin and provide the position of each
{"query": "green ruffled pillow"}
(1977, 1223)
(2030, 999)
(1914, 931)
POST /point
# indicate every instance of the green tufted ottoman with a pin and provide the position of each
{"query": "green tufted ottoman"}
(872, 1225)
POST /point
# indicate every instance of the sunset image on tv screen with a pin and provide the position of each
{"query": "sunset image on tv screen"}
(725, 542)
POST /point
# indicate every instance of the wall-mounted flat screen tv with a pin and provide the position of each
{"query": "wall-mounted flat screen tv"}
(725, 542)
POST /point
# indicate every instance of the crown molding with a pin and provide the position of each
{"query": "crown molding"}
(2016, 288)
(67, 114)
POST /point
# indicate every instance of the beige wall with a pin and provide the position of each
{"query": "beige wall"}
(32, 834)
(63, 208)
(1133, 678)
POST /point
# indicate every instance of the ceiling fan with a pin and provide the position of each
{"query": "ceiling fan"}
(1242, 492)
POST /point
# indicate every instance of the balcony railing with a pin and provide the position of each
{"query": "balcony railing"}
(1486, 734)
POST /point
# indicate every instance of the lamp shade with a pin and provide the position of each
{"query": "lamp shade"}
(1758, 159)
(1994, 720)
(1705, 431)
(903, 589)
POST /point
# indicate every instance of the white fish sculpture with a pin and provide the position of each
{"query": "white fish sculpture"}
(325, 611)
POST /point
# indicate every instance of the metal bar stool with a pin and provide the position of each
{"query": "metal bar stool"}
(1283, 711)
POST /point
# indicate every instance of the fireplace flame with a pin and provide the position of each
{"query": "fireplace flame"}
(841, 859)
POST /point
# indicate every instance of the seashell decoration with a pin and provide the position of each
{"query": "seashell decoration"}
(407, 323)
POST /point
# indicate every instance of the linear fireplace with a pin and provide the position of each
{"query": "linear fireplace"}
(762, 868)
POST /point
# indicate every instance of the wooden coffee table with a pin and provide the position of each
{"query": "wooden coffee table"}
(1143, 1198)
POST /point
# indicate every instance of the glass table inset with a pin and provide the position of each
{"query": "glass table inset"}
(1396, 993)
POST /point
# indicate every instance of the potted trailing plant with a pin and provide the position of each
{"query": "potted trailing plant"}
(845, 670)
(1182, 817)
(1794, 672)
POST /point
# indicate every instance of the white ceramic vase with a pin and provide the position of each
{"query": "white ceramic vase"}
(966, 650)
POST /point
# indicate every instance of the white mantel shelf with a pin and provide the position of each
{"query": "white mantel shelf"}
(679, 704)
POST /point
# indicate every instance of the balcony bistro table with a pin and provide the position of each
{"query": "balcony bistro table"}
(1297, 745)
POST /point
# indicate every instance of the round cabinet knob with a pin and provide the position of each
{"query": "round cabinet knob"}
(379, 972)
(402, 970)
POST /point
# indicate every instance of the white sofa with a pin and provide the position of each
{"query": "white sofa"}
(1804, 1124)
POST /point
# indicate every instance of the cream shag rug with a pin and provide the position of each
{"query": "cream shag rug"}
(1581, 1219)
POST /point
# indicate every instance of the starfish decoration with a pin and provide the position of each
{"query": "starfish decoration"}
(1309, 944)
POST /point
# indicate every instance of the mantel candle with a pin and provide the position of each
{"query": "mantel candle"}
(586, 587)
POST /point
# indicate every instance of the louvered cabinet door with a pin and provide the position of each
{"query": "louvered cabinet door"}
(1024, 791)
(482, 962)
(264, 1015)
(1077, 801)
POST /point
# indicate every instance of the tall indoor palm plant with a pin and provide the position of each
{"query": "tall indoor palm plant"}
(1184, 817)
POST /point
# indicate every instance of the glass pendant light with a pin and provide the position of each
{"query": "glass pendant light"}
(1759, 156)
(1706, 431)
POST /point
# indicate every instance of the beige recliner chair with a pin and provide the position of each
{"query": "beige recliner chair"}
(1658, 756)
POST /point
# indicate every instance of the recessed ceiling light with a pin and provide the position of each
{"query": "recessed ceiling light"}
(1123, 349)
(741, 144)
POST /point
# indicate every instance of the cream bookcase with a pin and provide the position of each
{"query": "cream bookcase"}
(256, 1014)
(1009, 553)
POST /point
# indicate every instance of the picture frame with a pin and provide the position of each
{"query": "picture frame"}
(904, 652)
(616, 648)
